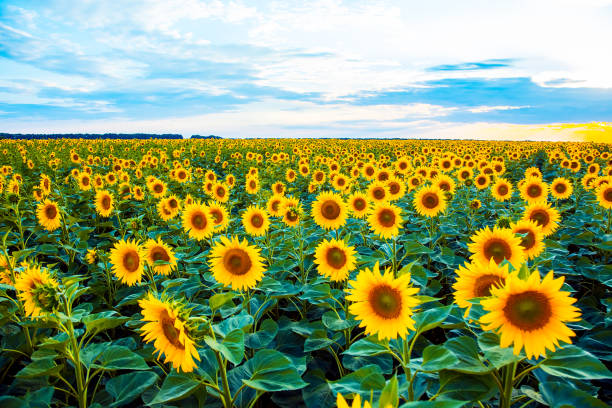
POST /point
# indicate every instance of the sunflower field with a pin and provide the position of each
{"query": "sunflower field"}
(305, 273)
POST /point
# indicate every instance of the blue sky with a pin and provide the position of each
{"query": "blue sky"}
(295, 69)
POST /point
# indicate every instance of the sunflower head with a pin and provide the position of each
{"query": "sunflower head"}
(167, 326)
(561, 188)
(531, 237)
(329, 210)
(359, 204)
(476, 280)
(255, 221)
(604, 195)
(385, 219)
(48, 215)
(236, 264)
(530, 313)
(429, 201)
(382, 303)
(104, 203)
(156, 251)
(498, 244)
(544, 215)
(38, 290)
(197, 222)
(128, 261)
(335, 259)
(534, 189)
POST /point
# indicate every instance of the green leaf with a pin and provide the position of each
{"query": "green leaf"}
(120, 358)
(436, 358)
(467, 352)
(40, 367)
(97, 322)
(389, 394)
(232, 346)
(434, 404)
(431, 318)
(369, 346)
(335, 323)
(126, 388)
(471, 387)
(175, 387)
(317, 340)
(558, 394)
(271, 370)
(262, 337)
(498, 356)
(574, 362)
(413, 247)
(362, 381)
(218, 300)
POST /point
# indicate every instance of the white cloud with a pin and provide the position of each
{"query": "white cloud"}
(485, 109)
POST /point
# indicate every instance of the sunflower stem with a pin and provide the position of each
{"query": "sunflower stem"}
(227, 398)
(506, 398)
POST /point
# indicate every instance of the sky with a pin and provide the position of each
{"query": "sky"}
(537, 70)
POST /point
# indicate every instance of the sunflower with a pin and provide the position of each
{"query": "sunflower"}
(91, 256)
(159, 251)
(329, 211)
(84, 180)
(252, 185)
(164, 211)
(167, 327)
(497, 244)
(533, 172)
(38, 290)
(278, 188)
(219, 216)
(482, 181)
(197, 222)
(604, 195)
(413, 182)
(359, 204)
(220, 192)
(236, 264)
(532, 242)
(445, 183)
(544, 215)
(291, 211)
(341, 402)
(255, 221)
(475, 204)
(318, 177)
(385, 220)
(378, 192)
(104, 203)
(476, 280)
(158, 188)
(561, 188)
(530, 314)
(6, 270)
(275, 205)
(335, 259)
(534, 189)
(382, 303)
(429, 201)
(396, 188)
(48, 215)
(501, 190)
(128, 260)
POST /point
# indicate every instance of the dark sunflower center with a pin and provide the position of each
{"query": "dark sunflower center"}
(198, 220)
(158, 188)
(341, 181)
(319, 176)
(220, 192)
(172, 335)
(383, 176)
(85, 181)
(336, 258)
(403, 165)
(181, 175)
(465, 174)
(560, 188)
(275, 205)
(414, 181)
(528, 310)
(330, 210)
(497, 249)
(386, 218)
(252, 184)
(217, 216)
(446, 164)
(172, 203)
(386, 301)
(394, 188)
(529, 240)
(541, 217)
(257, 220)
(279, 188)
(359, 204)
(484, 283)
(430, 200)
(444, 186)
(237, 261)
(50, 211)
(502, 190)
(481, 180)
(534, 190)
(379, 193)
(607, 195)
(292, 215)
(131, 260)
(159, 254)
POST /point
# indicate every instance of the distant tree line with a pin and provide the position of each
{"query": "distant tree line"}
(205, 137)
(90, 136)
